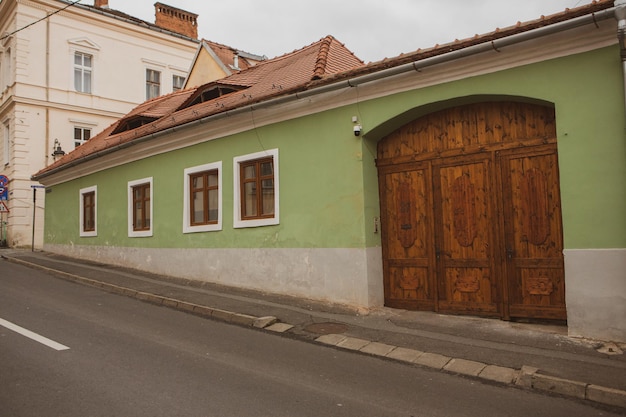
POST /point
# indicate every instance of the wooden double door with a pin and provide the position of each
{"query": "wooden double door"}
(470, 211)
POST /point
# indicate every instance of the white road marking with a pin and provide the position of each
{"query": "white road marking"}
(31, 335)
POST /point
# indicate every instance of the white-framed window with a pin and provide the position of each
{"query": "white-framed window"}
(83, 67)
(178, 82)
(140, 208)
(81, 135)
(153, 83)
(203, 198)
(88, 211)
(6, 143)
(256, 197)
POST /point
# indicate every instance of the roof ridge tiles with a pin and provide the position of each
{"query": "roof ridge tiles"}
(322, 58)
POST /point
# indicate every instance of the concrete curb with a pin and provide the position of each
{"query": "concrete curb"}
(526, 377)
(200, 310)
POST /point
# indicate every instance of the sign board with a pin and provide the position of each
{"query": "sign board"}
(4, 191)
(3, 207)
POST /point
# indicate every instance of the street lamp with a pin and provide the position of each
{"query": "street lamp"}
(58, 152)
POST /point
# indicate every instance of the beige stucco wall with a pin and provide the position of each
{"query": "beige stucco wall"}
(41, 105)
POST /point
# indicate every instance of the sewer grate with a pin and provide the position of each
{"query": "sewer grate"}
(326, 328)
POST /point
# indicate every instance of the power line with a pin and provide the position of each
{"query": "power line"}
(37, 21)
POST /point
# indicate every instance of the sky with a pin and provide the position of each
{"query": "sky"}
(371, 29)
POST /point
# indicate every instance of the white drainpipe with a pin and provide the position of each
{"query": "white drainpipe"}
(620, 15)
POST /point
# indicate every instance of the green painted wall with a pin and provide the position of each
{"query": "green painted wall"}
(321, 195)
(328, 178)
(587, 91)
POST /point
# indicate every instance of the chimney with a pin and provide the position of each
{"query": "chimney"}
(103, 4)
(176, 20)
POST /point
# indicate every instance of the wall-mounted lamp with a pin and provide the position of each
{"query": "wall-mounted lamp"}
(357, 128)
(57, 151)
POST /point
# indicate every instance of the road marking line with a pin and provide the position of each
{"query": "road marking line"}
(31, 335)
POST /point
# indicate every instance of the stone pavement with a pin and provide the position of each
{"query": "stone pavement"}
(527, 356)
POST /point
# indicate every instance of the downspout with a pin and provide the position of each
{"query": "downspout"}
(620, 15)
(47, 134)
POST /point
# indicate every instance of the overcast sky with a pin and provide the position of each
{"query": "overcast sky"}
(372, 29)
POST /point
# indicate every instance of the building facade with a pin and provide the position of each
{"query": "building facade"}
(67, 71)
(481, 177)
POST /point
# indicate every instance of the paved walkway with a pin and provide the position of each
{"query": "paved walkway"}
(528, 356)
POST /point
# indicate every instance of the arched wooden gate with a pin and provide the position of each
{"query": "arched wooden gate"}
(471, 214)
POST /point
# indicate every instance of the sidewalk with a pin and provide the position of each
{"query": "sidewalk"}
(529, 356)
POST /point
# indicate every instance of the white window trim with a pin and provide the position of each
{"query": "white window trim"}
(145, 81)
(237, 222)
(187, 227)
(184, 77)
(91, 69)
(140, 233)
(82, 142)
(83, 191)
(84, 46)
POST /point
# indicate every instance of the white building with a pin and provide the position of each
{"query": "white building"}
(67, 71)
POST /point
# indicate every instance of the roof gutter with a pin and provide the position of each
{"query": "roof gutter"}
(494, 45)
(620, 15)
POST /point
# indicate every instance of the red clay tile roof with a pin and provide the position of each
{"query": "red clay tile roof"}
(324, 62)
(226, 54)
(279, 76)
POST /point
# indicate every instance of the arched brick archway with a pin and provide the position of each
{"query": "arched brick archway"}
(471, 214)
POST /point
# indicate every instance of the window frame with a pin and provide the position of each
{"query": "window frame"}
(182, 85)
(132, 232)
(238, 220)
(81, 225)
(83, 71)
(81, 141)
(150, 84)
(188, 172)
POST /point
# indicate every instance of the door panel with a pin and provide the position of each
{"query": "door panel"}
(407, 231)
(533, 233)
(470, 212)
(464, 235)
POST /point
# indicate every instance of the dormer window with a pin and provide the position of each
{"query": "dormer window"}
(211, 92)
(132, 123)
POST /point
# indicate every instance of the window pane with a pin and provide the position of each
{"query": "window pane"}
(146, 223)
(87, 82)
(78, 85)
(213, 180)
(138, 218)
(198, 182)
(78, 58)
(266, 168)
(198, 207)
(249, 172)
(213, 205)
(268, 197)
(77, 134)
(87, 61)
(250, 199)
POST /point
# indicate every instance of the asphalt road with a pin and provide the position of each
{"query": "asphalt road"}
(128, 358)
